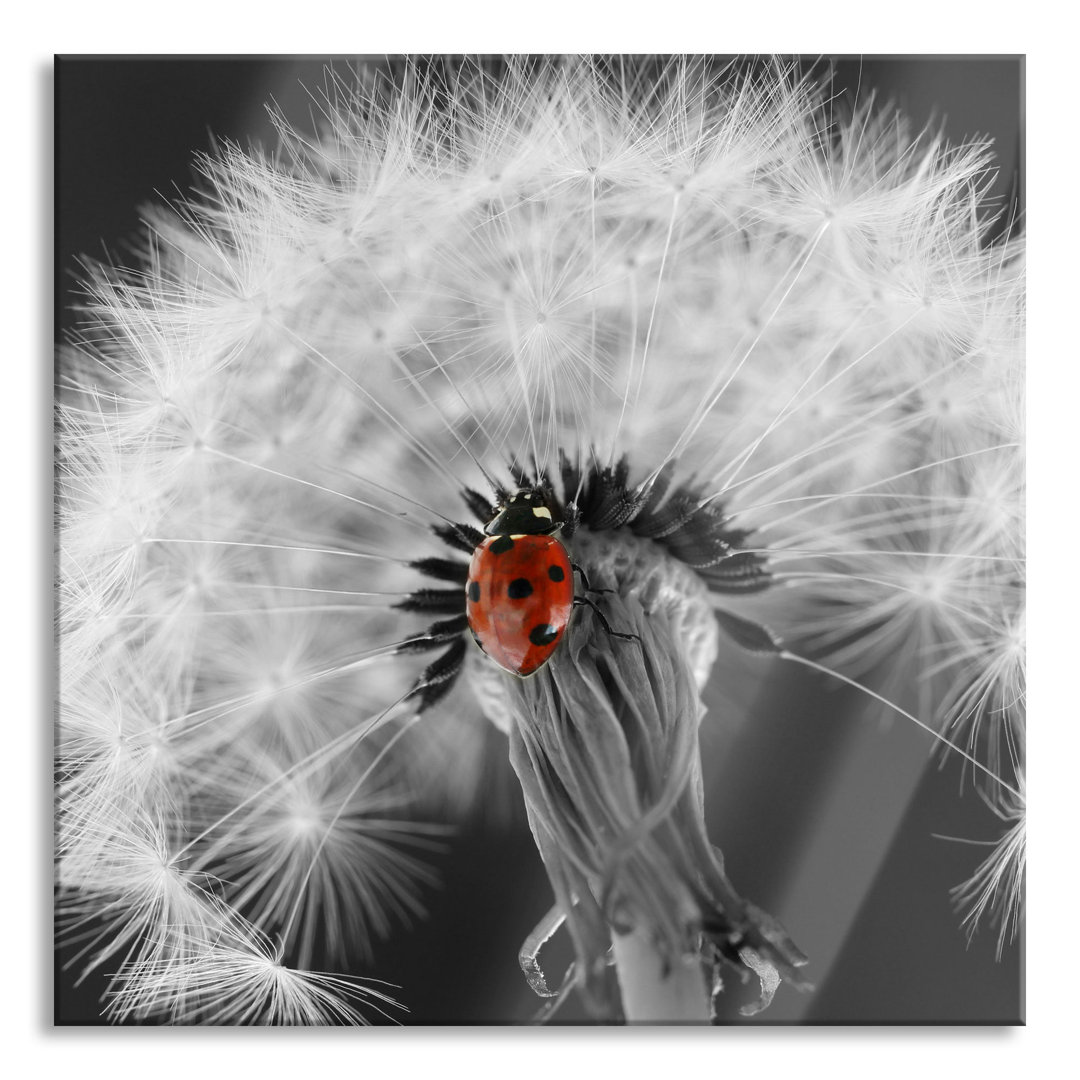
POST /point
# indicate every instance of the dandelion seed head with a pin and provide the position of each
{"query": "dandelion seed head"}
(994, 894)
(265, 417)
(240, 980)
(325, 861)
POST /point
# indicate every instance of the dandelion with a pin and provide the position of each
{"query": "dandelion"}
(995, 890)
(755, 358)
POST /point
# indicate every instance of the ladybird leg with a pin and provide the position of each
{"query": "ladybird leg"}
(584, 601)
(529, 954)
(585, 581)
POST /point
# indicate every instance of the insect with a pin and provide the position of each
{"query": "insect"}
(520, 589)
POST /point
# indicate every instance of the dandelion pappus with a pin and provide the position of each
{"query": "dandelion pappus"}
(520, 590)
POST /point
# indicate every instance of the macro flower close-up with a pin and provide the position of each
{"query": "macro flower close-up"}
(541, 539)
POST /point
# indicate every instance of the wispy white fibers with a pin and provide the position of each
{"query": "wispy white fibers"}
(266, 415)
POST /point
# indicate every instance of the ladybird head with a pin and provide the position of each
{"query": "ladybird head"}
(527, 510)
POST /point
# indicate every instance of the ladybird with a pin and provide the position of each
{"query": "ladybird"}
(519, 594)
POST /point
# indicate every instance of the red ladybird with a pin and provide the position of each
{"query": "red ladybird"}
(520, 589)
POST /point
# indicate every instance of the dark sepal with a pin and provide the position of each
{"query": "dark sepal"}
(663, 520)
(439, 675)
(463, 537)
(607, 502)
(656, 492)
(442, 569)
(571, 519)
(520, 474)
(436, 635)
(481, 508)
(698, 546)
(571, 475)
(437, 601)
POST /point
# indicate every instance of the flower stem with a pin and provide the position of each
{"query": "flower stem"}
(653, 995)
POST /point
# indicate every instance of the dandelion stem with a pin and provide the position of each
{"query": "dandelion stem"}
(655, 991)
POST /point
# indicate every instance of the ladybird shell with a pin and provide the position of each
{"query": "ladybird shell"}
(518, 599)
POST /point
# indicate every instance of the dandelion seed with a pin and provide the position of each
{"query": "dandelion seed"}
(239, 980)
(994, 893)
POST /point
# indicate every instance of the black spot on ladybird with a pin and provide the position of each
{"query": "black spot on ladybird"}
(519, 588)
(502, 544)
(556, 573)
(474, 591)
(543, 634)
